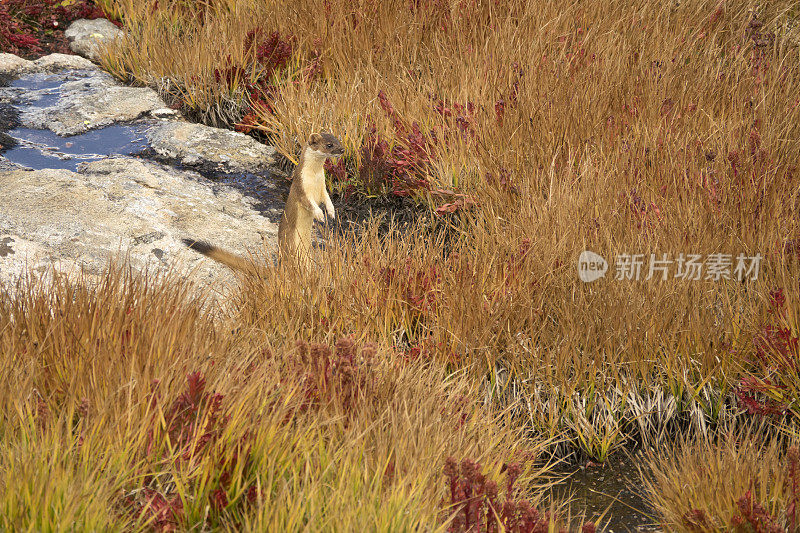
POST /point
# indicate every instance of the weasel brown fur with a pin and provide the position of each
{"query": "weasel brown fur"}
(306, 195)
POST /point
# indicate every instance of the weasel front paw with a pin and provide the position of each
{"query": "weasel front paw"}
(331, 211)
(319, 215)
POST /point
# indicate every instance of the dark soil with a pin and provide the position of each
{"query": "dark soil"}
(397, 212)
(9, 117)
(8, 121)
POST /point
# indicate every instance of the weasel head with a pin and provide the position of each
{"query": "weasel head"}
(324, 145)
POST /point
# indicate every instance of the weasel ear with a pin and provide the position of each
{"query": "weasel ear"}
(315, 138)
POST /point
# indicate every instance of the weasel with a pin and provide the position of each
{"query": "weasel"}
(306, 194)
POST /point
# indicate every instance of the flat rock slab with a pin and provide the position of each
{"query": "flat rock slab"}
(196, 145)
(11, 65)
(112, 207)
(88, 36)
(76, 212)
(93, 101)
(70, 95)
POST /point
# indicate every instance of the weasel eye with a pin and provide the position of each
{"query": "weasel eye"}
(330, 145)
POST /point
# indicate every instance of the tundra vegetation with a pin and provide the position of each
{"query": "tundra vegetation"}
(388, 388)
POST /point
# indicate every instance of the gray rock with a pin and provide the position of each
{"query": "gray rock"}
(92, 101)
(6, 165)
(11, 65)
(56, 62)
(88, 36)
(202, 146)
(109, 208)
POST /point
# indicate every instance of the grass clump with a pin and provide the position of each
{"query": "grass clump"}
(130, 404)
(742, 482)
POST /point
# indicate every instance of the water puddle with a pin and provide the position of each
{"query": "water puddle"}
(43, 90)
(39, 82)
(39, 149)
(611, 490)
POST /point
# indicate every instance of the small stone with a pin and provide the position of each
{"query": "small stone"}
(11, 65)
(164, 112)
(55, 62)
(87, 37)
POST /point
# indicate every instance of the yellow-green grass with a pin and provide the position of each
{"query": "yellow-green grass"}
(94, 397)
(740, 481)
(632, 127)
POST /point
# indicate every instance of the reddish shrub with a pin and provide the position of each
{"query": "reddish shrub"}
(754, 514)
(342, 378)
(34, 27)
(773, 364)
(272, 52)
(192, 424)
(475, 503)
(403, 169)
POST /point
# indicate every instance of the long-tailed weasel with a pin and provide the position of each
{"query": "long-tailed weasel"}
(306, 195)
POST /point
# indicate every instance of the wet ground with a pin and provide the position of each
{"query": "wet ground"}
(39, 149)
(611, 490)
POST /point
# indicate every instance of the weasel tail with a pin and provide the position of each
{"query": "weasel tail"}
(219, 255)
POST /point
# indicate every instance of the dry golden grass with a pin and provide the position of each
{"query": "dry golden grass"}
(706, 486)
(97, 420)
(631, 127)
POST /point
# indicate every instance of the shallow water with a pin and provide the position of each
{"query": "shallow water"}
(38, 149)
(44, 89)
(612, 490)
